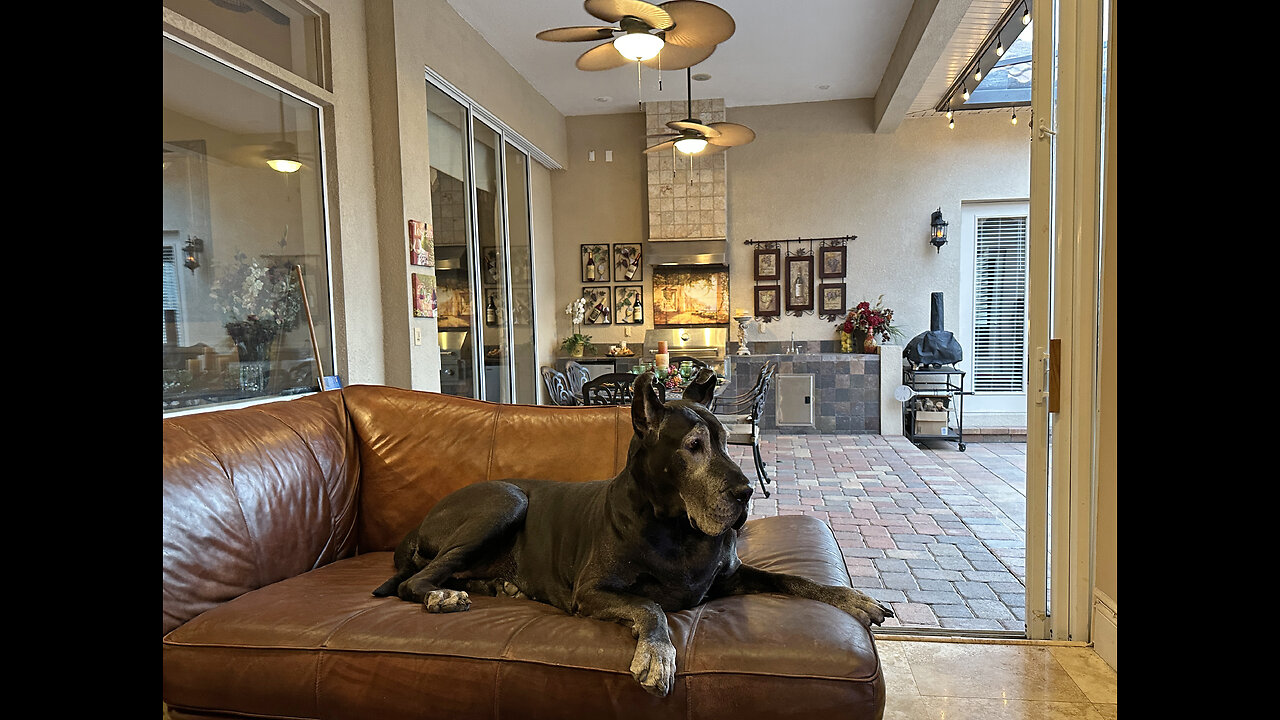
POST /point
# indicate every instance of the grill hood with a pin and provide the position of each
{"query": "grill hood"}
(688, 252)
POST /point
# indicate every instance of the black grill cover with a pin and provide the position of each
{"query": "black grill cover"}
(937, 346)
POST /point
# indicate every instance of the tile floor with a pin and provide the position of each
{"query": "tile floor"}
(995, 680)
(937, 533)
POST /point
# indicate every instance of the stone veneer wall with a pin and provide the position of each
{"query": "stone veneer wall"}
(686, 200)
(846, 389)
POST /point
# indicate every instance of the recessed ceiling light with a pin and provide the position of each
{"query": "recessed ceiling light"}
(701, 76)
(603, 99)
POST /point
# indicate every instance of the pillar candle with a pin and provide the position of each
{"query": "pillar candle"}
(662, 346)
(662, 360)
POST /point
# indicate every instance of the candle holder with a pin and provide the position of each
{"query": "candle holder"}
(743, 322)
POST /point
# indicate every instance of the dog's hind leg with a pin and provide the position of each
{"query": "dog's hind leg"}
(468, 528)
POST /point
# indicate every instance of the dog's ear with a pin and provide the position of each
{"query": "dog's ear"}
(646, 407)
(702, 388)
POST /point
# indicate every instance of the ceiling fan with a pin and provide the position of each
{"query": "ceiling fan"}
(694, 138)
(280, 155)
(670, 36)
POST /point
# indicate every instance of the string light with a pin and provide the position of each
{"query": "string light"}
(1026, 15)
(965, 92)
(1014, 120)
(999, 48)
(977, 74)
(951, 123)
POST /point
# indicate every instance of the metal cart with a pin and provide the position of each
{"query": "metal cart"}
(936, 386)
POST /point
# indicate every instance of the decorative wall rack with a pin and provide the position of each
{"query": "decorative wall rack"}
(786, 282)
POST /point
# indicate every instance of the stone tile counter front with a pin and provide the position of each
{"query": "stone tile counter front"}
(845, 397)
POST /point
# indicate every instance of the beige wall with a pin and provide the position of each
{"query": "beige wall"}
(814, 170)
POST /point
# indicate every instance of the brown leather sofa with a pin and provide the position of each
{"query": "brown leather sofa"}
(280, 519)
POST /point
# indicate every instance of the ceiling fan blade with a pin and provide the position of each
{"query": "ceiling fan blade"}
(601, 57)
(698, 24)
(705, 130)
(577, 33)
(615, 10)
(660, 146)
(731, 134)
(675, 57)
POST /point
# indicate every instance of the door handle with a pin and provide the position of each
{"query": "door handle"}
(1055, 374)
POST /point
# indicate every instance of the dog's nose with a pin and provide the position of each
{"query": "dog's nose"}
(743, 493)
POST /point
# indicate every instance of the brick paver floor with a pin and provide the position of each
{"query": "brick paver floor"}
(937, 533)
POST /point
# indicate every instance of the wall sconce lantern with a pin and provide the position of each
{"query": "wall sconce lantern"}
(937, 230)
(194, 247)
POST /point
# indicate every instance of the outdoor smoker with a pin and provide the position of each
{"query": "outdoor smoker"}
(934, 348)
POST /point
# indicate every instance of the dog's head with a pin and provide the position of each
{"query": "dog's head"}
(682, 459)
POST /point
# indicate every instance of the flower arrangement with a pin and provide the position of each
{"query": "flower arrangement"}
(257, 302)
(576, 310)
(874, 321)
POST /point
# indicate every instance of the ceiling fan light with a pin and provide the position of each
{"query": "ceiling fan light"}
(638, 46)
(690, 146)
(284, 165)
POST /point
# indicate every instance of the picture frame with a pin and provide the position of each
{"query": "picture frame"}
(689, 296)
(799, 287)
(624, 298)
(421, 244)
(424, 295)
(768, 301)
(595, 263)
(831, 299)
(628, 262)
(831, 261)
(598, 296)
(489, 267)
(767, 262)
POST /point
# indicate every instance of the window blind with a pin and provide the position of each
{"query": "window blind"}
(1000, 305)
(170, 293)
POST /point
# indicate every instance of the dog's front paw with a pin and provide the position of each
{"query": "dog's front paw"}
(654, 667)
(862, 607)
(447, 601)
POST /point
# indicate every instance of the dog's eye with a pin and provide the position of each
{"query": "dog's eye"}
(695, 444)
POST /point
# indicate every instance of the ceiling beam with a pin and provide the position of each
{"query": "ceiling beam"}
(925, 35)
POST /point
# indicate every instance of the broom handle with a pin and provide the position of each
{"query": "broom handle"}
(315, 347)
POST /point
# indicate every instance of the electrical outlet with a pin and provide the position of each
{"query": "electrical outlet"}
(626, 330)
(608, 156)
(591, 156)
(417, 336)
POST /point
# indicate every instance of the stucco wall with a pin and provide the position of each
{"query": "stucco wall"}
(814, 170)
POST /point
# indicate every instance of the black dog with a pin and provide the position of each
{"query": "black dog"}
(660, 537)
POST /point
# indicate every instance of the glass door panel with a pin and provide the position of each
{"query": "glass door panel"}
(492, 262)
(524, 359)
(451, 215)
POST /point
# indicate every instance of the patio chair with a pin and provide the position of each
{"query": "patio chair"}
(578, 375)
(558, 386)
(614, 389)
(740, 414)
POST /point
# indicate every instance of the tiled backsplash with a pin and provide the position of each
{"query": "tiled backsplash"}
(686, 199)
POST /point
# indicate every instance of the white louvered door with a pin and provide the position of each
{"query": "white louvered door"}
(993, 313)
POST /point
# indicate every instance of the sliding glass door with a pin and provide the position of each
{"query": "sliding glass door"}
(480, 214)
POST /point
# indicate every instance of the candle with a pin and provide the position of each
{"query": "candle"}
(662, 361)
(662, 346)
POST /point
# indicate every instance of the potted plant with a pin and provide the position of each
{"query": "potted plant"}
(870, 323)
(577, 342)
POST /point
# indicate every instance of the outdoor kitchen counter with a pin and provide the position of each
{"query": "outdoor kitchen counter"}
(846, 389)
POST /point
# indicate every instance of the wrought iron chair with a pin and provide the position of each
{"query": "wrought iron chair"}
(558, 386)
(614, 389)
(740, 414)
(578, 375)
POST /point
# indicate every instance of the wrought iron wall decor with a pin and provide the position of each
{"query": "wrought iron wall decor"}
(788, 281)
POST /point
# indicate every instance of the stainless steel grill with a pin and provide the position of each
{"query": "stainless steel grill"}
(706, 344)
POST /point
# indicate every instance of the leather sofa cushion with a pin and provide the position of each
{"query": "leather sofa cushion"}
(319, 645)
(253, 496)
(417, 447)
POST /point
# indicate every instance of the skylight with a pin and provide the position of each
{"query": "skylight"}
(1009, 81)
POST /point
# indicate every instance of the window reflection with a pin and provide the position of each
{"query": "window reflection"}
(234, 233)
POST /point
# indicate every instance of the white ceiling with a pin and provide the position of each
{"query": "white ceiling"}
(781, 52)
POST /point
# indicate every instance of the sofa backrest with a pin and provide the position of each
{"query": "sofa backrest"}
(253, 496)
(416, 447)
